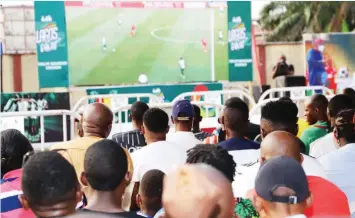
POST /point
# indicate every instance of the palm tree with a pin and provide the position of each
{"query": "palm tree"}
(287, 21)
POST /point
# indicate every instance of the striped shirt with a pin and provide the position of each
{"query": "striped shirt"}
(202, 135)
(10, 187)
(131, 140)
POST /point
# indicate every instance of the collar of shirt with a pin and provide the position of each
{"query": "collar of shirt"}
(297, 216)
(185, 139)
(321, 124)
(239, 144)
(13, 174)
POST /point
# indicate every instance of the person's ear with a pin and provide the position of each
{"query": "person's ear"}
(143, 130)
(258, 204)
(302, 159)
(83, 179)
(222, 120)
(139, 200)
(309, 200)
(24, 202)
(167, 129)
(79, 194)
(128, 178)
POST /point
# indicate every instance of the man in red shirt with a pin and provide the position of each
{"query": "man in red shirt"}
(327, 199)
(133, 30)
(204, 44)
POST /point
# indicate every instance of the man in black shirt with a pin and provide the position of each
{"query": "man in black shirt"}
(134, 139)
(281, 69)
(107, 178)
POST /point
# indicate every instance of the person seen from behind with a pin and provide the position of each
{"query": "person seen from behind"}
(134, 139)
(282, 116)
(183, 117)
(14, 149)
(199, 134)
(316, 115)
(208, 196)
(158, 154)
(235, 120)
(330, 203)
(282, 189)
(340, 163)
(328, 143)
(50, 185)
(350, 93)
(149, 197)
(106, 178)
(96, 125)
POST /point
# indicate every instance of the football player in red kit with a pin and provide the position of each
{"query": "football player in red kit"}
(133, 30)
(204, 44)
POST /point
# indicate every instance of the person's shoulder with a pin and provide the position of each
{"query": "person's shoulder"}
(129, 215)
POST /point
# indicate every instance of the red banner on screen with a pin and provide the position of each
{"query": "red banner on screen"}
(135, 4)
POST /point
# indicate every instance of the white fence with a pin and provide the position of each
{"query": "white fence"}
(295, 92)
(41, 115)
(209, 100)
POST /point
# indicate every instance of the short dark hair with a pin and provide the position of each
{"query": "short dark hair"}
(105, 165)
(151, 187)
(197, 110)
(320, 101)
(215, 156)
(344, 124)
(14, 145)
(280, 113)
(48, 178)
(156, 120)
(236, 112)
(339, 103)
(137, 110)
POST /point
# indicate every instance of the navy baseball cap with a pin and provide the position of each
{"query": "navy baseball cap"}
(279, 172)
(183, 110)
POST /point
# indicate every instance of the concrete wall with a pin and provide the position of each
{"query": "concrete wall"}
(294, 53)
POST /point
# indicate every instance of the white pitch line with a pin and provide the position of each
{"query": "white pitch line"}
(167, 39)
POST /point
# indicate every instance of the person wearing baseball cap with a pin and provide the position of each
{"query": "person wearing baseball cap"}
(183, 116)
(282, 189)
(317, 74)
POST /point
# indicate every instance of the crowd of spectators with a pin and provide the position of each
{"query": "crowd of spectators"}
(240, 170)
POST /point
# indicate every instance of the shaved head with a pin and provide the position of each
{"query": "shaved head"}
(97, 120)
(280, 143)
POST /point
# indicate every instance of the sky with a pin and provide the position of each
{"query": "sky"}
(256, 6)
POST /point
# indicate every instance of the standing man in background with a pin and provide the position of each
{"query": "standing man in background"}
(317, 76)
(182, 68)
(281, 70)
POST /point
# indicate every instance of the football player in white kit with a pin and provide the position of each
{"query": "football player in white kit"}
(221, 10)
(182, 67)
(220, 37)
(104, 46)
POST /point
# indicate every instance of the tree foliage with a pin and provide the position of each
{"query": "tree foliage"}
(287, 21)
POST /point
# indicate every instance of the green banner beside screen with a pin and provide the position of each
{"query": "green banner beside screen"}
(240, 60)
(51, 39)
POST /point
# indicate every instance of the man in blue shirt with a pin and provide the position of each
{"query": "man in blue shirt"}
(317, 75)
(235, 120)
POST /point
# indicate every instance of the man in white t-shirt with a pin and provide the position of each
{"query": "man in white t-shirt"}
(340, 164)
(328, 143)
(182, 116)
(158, 154)
(182, 67)
(277, 143)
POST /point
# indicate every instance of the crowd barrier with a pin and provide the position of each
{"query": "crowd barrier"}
(295, 92)
(217, 96)
(208, 100)
(41, 115)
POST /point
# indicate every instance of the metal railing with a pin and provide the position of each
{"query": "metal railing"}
(226, 94)
(295, 92)
(41, 115)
